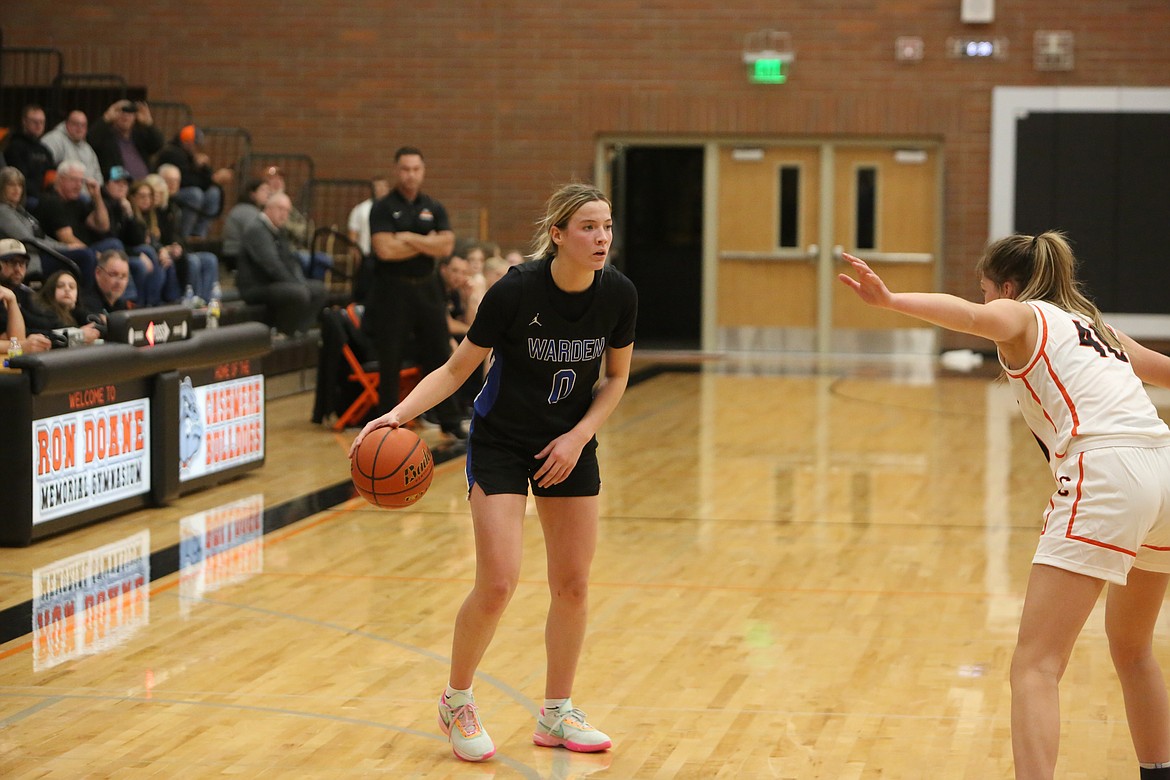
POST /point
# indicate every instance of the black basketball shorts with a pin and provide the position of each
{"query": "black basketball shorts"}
(505, 468)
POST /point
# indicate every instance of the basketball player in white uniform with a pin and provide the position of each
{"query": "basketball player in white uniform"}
(1079, 386)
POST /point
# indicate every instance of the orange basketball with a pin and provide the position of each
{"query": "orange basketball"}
(392, 468)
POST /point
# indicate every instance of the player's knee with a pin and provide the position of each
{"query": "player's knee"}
(574, 590)
(495, 593)
(1030, 663)
(1128, 652)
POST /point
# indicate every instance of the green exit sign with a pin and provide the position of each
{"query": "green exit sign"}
(767, 70)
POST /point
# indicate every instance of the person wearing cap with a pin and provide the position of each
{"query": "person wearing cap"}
(201, 188)
(153, 279)
(16, 296)
(126, 136)
(67, 142)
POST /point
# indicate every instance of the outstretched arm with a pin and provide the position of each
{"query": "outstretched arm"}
(1151, 367)
(1003, 320)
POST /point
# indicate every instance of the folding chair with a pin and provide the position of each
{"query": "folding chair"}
(368, 377)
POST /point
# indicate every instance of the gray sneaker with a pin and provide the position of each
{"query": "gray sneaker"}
(459, 720)
(569, 730)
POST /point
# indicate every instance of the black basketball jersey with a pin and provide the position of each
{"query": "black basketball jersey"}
(546, 362)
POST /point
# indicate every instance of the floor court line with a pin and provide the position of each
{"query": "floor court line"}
(524, 769)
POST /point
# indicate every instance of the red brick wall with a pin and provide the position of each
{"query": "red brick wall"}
(507, 97)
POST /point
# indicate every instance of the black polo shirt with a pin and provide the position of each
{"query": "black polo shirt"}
(93, 300)
(423, 215)
(54, 213)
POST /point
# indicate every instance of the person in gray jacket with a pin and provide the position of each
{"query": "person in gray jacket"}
(67, 142)
(270, 273)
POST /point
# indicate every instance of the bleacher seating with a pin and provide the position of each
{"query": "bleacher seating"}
(39, 75)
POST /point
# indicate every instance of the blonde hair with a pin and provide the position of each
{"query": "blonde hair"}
(494, 269)
(159, 185)
(148, 218)
(561, 206)
(1043, 268)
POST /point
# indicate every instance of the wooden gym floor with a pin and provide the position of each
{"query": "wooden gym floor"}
(807, 569)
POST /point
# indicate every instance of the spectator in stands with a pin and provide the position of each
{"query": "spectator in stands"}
(358, 228)
(17, 296)
(27, 153)
(200, 193)
(57, 306)
(453, 272)
(453, 275)
(269, 271)
(126, 136)
(514, 257)
(107, 295)
(67, 142)
(199, 269)
(13, 319)
(153, 276)
(359, 217)
(300, 231)
(252, 199)
(408, 231)
(69, 219)
(494, 269)
(476, 285)
(44, 251)
(146, 220)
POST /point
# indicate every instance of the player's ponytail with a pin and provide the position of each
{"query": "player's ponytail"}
(1043, 268)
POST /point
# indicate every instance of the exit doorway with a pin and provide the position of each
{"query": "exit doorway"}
(657, 194)
(735, 245)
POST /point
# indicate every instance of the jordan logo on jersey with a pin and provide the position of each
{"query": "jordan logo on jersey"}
(536, 321)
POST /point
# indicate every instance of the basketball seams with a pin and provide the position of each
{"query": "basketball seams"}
(382, 490)
(378, 452)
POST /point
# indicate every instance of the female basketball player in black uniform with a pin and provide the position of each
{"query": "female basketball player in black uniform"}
(548, 324)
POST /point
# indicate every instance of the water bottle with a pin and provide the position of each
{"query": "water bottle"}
(189, 297)
(213, 307)
(14, 349)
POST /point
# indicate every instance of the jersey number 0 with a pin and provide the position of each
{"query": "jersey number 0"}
(562, 384)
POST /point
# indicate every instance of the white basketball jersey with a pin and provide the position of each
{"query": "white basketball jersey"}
(1078, 393)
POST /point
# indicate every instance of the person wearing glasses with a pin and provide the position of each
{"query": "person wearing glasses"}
(112, 276)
